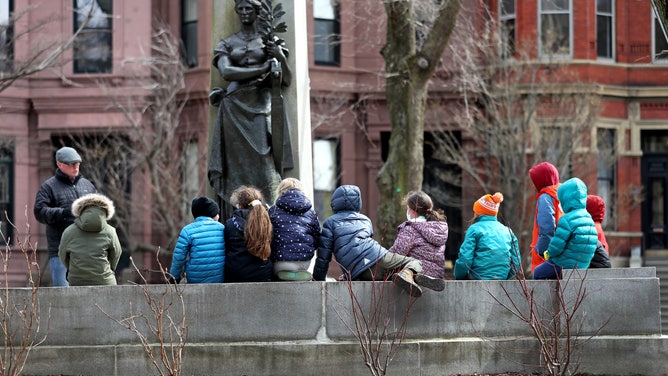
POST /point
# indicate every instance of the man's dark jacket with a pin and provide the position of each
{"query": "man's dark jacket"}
(53, 205)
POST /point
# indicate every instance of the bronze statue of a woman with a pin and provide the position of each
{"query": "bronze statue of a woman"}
(242, 150)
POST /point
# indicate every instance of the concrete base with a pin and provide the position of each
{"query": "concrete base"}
(619, 262)
(303, 328)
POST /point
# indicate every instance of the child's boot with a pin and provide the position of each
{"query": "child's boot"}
(404, 279)
(436, 284)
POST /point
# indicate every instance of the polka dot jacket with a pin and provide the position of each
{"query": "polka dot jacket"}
(296, 227)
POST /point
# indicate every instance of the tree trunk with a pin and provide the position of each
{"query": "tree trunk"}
(409, 65)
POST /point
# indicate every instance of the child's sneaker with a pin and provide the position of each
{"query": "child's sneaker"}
(404, 279)
(436, 284)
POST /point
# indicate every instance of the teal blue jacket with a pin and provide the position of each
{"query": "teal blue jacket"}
(489, 251)
(575, 238)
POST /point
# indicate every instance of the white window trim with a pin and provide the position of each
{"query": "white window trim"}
(613, 31)
(570, 34)
(655, 60)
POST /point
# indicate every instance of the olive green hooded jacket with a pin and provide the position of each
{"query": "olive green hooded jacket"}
(89, 248)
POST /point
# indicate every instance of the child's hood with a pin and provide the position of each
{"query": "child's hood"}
(572, 195)
(92, 211)
(544, 175)
(347, 198)
(596, 207)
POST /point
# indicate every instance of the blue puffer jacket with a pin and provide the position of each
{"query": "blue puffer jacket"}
(489, 251)
(348, 235)
(575, 239)
(296, 227)
(200, 250)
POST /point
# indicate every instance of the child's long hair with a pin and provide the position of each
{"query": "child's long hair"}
(257, 234)
(421, 203)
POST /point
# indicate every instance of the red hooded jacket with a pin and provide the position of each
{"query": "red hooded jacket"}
(545, 178)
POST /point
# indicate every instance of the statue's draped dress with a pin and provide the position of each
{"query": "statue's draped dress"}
(241, 145)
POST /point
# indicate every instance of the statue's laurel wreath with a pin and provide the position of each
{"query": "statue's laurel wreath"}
(269, 22)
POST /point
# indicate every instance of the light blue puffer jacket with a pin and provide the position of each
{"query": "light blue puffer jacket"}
(200, 250)
(575, 239)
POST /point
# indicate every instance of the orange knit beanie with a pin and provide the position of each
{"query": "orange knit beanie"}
(488, 204)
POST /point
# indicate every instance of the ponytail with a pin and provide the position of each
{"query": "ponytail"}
(258, 231)
(435, 215)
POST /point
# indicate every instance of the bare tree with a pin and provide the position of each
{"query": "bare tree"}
(377, 320)
(556, 319)
(157, 148)
(161, 329)
(416, 36)
(45, 53)
(21, 319)
(514, 112)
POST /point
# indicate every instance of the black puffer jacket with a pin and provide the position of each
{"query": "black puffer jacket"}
(53, 205)
(296, 227)
(601, 258)
(240, 265)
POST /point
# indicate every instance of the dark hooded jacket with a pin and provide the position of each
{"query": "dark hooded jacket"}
(296, 227)
(348, 235)
(575, 239)
(601, 258)
(240, 265)
(89, 248)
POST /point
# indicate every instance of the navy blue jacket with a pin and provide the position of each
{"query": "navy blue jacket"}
(53, 205)
(348, 235)
(296, 227)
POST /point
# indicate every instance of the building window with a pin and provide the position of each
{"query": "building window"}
(555, 28)
(605, 21)
(189, 31)
(191, 169)
(507, 17)
(6, 190)
(92, 49)
(606, 166)
(327, 38)
(6, 36)
(660, 43)
(325, 175)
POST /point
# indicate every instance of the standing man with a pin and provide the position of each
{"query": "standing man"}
(53, 205)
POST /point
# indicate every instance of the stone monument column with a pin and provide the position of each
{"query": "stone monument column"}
(296, 96)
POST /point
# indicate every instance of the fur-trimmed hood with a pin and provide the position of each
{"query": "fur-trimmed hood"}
(93, 199)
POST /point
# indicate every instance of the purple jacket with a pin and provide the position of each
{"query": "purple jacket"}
(424, 241)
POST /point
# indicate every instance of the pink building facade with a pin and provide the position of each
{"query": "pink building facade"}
(350, 125)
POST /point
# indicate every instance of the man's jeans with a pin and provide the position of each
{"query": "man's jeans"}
(58, 272)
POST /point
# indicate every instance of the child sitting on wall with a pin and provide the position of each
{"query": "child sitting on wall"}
(348, 235)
